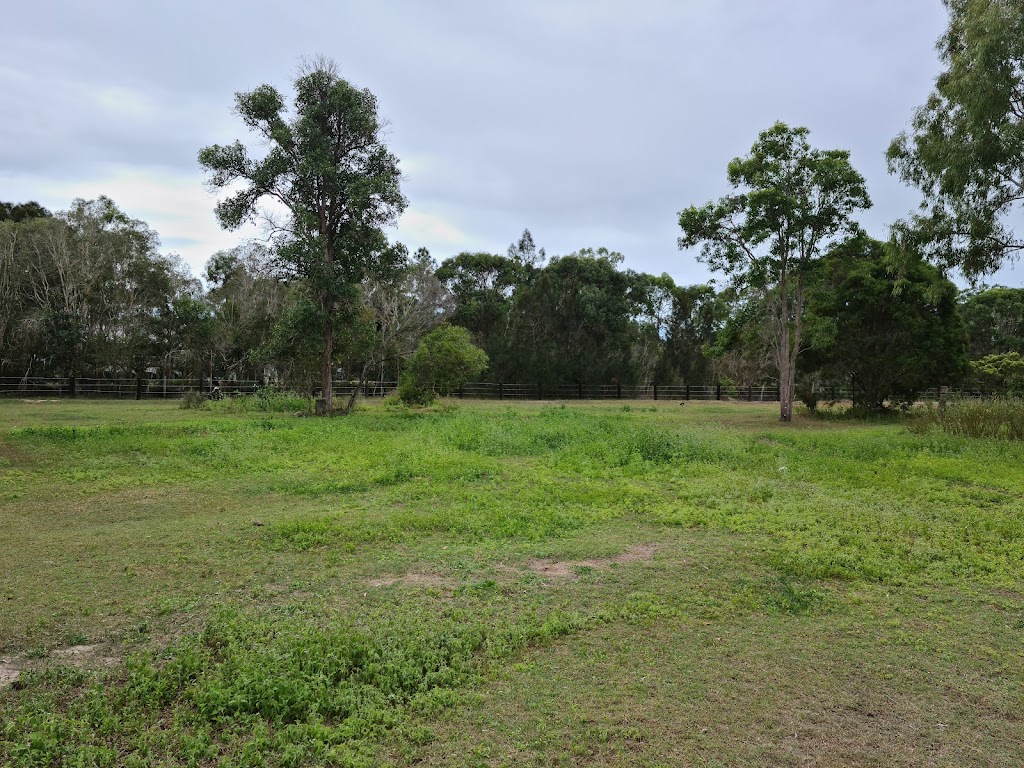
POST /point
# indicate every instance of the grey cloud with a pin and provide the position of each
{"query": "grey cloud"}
(592, 123)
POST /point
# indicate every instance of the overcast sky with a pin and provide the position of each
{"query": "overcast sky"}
(592, 123)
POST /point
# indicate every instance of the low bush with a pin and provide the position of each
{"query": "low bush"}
(265, 399)
(445, 360)
(837, 413)
(192, 400)
(999, 418)
(412, 392)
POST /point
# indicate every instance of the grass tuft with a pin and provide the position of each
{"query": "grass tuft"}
(994, 419)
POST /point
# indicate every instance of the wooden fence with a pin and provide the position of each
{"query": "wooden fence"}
(149, 388)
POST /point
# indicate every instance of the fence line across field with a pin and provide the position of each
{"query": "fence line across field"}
(147, 388)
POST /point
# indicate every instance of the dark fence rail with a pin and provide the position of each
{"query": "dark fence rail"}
(149, 388)
(114, 388)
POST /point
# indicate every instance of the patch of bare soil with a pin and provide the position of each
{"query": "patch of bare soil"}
(413, 580)
(9, 674)
(86, 656)
(566, 569)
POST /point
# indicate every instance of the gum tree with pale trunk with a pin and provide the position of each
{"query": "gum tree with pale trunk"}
(791, 203)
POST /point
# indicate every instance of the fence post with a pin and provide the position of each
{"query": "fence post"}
(579, 390)
(73, 386)
(618, 390)
(461, 393)
(718, 391)
(687, 391)
(138, 387)
(655, 390)
(501, 390)
(750, 393)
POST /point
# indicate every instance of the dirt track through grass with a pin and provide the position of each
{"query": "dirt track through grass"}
(506, 585)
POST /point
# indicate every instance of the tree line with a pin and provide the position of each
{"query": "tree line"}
(809, 300)
(87, 293)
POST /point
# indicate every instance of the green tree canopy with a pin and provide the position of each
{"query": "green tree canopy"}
(995, 321)
(891, 336)
(483, 287)
(18, 212)
(574, 323)
(965, 149)
(328, 167)
(792, 202)
(85, 292)
(248, 298)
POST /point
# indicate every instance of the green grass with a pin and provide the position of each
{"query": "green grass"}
(261, 589)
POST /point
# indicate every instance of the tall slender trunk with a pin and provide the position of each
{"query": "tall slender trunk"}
(786, 371)
(327, 362)
(24, 379)
(790, 319)
(352, 398)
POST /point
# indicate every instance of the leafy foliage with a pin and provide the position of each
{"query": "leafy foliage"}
(792, 202)
(445, 360)
(192, 400)
(87, 290)
(1001, 374)
(18, 212)
(263, 400)
(965, 150)
(891, 337)
(328, 166)
(994, 318)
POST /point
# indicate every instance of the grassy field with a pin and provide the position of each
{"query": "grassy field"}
(496, 585)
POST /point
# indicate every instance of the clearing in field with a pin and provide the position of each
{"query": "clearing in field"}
(489, 585)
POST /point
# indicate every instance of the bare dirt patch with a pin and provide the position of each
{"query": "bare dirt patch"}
(413, 580)
(566, 569)
(86, 656)
(9, 674)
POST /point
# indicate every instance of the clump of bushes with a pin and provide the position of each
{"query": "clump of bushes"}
(265, 399)
(445, 360)
(999, 418)
(192, 400)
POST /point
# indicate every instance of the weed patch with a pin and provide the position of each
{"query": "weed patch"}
(994, 419)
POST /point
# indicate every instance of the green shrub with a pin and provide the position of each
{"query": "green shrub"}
(192, 399)
(269, 689)
(411, 392)
(265, 399)
(807, 391)
(840, 413)
(445, 360)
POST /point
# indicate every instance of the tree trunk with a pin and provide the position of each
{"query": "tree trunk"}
(787, 371)
(786, 394)
(327, 362)
(352, 399)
